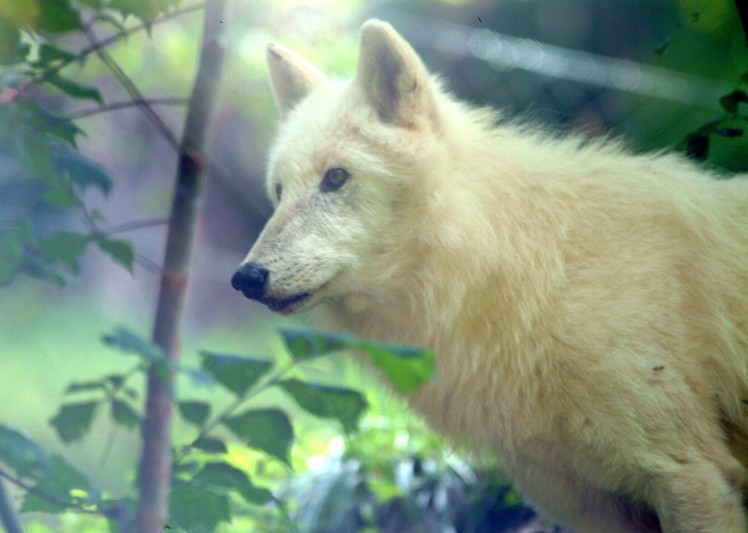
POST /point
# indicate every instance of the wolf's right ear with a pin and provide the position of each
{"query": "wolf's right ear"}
(393, 77)
(291, 76)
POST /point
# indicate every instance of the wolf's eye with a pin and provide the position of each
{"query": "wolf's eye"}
(334, 179)
(278, 191)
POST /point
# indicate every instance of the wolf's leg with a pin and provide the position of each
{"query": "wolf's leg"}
(569, 501)
(695, 497)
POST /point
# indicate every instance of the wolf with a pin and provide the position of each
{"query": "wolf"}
(588, 306)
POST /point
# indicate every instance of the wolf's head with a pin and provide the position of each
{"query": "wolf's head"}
(346, 160)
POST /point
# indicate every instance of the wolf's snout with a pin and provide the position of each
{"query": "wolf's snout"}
(251, 280)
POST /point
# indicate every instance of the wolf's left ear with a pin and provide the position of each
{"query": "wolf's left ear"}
(393, 77)
(291, 76)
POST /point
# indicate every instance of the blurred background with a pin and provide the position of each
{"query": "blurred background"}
(649, 71)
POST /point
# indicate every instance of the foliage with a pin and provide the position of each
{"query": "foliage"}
(42, 198)
(732, 124)
(378, 485)
(46, 174)
(204, 479)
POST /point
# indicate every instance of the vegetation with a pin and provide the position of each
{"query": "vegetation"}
(247, 450)
(52, 175)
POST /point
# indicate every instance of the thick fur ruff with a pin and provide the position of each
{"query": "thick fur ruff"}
(588, 307)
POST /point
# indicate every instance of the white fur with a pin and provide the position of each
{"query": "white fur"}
(588, 306)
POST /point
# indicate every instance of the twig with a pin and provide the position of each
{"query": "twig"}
(8, 513)
(54, 500)
(235, 404)
(133, 225)
(155, 465)
(133, 91)
(122, 105)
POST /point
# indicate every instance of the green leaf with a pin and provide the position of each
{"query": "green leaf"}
(85, 386)
(725, 131)
(21, 453)
(57, 16)
(145, 11)
(65, 247)
(194, 412)
(237, 374)
(267, 430)
(12, 50)
(730, 102)
(225, 476)
(49, 53)
(82, 171)
(662, 46)
(14, 235)
(407, 367)
(59, 483)
(33, 152)
(120, 251)
(697, 146)
(115, 379)
(44, 121)
(59, 195)
(75, 90)
(197, 509)
(33, 266)
(344, 405)
(124, 414)
(112, 20)
(308, 343)
(129, 342)
(208, 444)
(73, 420)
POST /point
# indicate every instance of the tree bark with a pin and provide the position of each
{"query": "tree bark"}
(154, 476)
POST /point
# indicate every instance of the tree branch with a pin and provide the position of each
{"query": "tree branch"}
(133, 91)
(133, 225)
(155, 465)
(122, 105)
(51, 72)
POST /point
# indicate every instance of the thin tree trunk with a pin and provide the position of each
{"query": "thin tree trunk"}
(8, 514)
(154, 478)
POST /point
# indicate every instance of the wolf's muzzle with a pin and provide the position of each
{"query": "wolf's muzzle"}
(251, 279)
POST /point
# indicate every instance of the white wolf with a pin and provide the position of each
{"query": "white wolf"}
(588, 307)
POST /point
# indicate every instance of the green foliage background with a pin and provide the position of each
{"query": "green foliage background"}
(85, 184)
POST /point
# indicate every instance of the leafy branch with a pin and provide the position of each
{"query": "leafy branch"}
(730, 125)
(65, 60)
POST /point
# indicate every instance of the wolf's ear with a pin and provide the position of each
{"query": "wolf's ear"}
(392, 76)
(291, 76)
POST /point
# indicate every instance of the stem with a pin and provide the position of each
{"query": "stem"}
(54, 500)
(234, 405)
(155, 466)
(132, 90)
(134, 225)
(122, 105)
(8, 514)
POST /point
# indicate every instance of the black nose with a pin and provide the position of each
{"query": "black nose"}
(251, 279)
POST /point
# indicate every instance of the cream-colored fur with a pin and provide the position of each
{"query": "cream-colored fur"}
(587, 306)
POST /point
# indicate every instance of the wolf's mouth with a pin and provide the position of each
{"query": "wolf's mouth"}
(285, 306)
